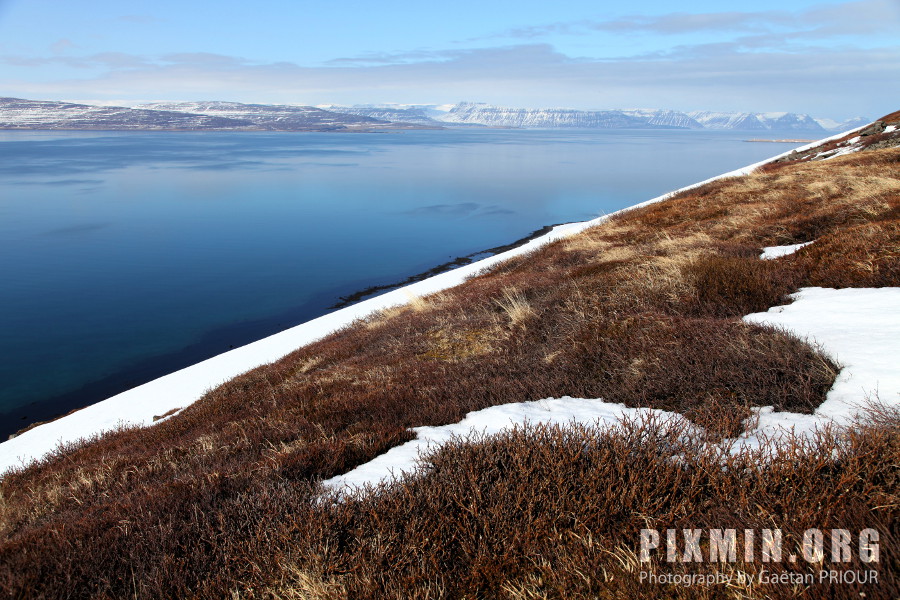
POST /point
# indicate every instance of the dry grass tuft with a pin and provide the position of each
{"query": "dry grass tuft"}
(516, 306)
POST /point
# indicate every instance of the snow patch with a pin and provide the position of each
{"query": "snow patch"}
(489, 421)
(860, 328)
(772, 252)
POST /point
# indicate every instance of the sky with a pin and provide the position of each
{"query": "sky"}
(828, 59)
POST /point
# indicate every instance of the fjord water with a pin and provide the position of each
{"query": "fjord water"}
(128, 255)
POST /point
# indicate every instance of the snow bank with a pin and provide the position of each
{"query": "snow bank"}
(139, 405)
(860, 328)
(772, 252)
(490, 421)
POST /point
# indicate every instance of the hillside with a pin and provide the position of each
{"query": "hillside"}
(470, 113)
(399, 113)
(17, 113)
(282, 118)
(757, 121)
(474, 114)
(642, 310)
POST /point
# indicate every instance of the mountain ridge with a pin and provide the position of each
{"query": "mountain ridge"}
(17, 113)
(488, 115)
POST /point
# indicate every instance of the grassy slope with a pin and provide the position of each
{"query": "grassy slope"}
(643, 310)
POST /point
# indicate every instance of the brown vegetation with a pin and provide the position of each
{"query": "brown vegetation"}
(220, 500)
(556, 513)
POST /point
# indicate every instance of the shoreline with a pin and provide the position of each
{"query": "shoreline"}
(179, 389)
(460, 261)
(222, 339)
(782, 141)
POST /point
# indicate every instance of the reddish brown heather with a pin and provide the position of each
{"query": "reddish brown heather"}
(218, 501)
(550, 513)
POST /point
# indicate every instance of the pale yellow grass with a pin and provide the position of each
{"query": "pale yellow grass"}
(300, 584)
(515, 305)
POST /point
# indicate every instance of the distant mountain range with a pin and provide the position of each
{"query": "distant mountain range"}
(778, 121)
(280, 117)
(475, 114)
(558, 118)
(16, 113)
(642, 118)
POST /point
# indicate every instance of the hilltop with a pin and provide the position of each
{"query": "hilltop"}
(640, 314)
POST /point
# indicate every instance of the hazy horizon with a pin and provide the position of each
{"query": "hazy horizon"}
(833, 60)
(441, 106)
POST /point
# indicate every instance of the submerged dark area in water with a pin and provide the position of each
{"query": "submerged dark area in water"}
(125, 256)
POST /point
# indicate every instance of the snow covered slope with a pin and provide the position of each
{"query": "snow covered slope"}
(832, 125)
(498, 116)
(395, 113)
(778, 121)
(276, 117)
(16, 113)
(664, 118)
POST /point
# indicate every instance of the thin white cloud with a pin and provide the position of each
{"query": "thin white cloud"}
(205, 59)
(775, 60)
(388, 58)
(848, 18)
(62, 45)
(140, 19)
(677, 23)
(110, 60)
(831, 82)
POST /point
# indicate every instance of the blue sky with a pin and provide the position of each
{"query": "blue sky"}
(837, 59)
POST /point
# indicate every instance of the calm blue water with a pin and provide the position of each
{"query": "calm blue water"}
(126, 255)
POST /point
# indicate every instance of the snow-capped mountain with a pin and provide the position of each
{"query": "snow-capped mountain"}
(396, 113)
(784, 121)
(498, 116)
(16, 113)
(832, 125)
(778, 121)
(277, 117)
(665, 118)
(720, 120)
